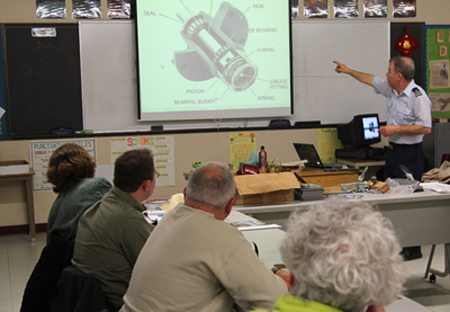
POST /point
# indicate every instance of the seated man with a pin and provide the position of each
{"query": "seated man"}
(112, 232)
(342, 256)
(193, 261)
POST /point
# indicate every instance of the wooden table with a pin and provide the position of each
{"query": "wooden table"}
(328, 179)
(361, 163)
(28, 178)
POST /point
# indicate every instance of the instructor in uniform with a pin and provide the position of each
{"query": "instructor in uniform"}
(408, 120)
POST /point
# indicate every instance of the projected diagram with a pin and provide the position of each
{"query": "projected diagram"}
(216, 48)
(207, 59)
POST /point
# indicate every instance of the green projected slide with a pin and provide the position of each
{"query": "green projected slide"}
(205, 59)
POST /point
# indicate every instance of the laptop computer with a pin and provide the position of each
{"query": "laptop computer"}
(309, 152)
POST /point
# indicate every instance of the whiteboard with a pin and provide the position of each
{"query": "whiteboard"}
(322, 94)
(109, 78)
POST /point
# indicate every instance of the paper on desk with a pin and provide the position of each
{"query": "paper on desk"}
(254, 225)
(437, 187)
(14, 169)
(153, 216)
(259, 227)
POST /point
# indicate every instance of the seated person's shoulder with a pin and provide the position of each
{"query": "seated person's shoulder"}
(101, 182)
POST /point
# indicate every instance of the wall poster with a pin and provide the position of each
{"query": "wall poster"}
(315, 8)
(440, 102)
(82, 9)
(346, 9)
(404, 8)
(327, 143)
(437, 61)
(241, 146)
(163, 152)
(119, 9)
(40, 153)
(51, 9)
(375, 8)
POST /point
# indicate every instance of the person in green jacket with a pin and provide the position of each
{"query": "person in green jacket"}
(343, 256)
(71, 171)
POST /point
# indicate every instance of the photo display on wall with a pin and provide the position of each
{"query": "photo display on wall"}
(437, 40)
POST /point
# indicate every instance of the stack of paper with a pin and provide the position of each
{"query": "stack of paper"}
(310, 192)
(254, 225)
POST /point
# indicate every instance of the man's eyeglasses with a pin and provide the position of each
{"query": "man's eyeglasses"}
(157, 175)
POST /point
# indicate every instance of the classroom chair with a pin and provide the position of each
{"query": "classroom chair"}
(54, 258)
(77, 291)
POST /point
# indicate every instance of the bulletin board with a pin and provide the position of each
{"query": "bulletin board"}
(42, 78)
(2, 93)
(437, 59)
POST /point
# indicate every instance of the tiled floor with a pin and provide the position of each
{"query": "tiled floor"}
(18, 257)
(434, 296)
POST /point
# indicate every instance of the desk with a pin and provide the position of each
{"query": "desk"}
(361, 163)
(421, 218)
(268, 243)
(327, 179)
(28, 178)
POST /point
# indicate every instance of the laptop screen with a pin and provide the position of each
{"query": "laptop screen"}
(308, 152)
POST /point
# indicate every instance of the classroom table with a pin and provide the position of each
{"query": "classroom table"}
(27, 177)
(421, 218)
(268, 241)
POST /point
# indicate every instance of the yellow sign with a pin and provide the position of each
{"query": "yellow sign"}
(241, 145)
(327, 143)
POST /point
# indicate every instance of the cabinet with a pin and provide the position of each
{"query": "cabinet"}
(437, 143)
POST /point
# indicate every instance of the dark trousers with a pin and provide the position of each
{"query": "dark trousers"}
(412, 157)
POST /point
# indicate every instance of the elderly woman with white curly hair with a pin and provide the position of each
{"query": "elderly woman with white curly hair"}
(343, 256)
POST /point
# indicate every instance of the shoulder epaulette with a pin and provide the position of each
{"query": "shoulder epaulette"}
(417, 92)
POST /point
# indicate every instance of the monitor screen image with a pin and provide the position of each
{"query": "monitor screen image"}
(370, 125)
(201, 59)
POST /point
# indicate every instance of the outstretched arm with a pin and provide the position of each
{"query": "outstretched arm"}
(361, 77)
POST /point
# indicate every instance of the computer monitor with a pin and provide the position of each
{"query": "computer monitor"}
(362, 131)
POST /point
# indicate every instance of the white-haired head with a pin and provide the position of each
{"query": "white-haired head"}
(344, 254)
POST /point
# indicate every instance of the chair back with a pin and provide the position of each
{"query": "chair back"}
(445, 157)
(38, 292)
(77, 291)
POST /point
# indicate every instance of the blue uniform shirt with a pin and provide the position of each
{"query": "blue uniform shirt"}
(410, 107)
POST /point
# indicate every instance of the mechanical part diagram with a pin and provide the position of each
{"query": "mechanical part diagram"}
(216, 48)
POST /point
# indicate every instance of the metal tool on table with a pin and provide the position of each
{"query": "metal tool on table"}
(360, 186)
(362, 175)
(409, 181)
(407, 173)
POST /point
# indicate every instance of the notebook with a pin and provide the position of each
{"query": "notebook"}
(308, 152)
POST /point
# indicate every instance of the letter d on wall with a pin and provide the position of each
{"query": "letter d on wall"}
(443, 51)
